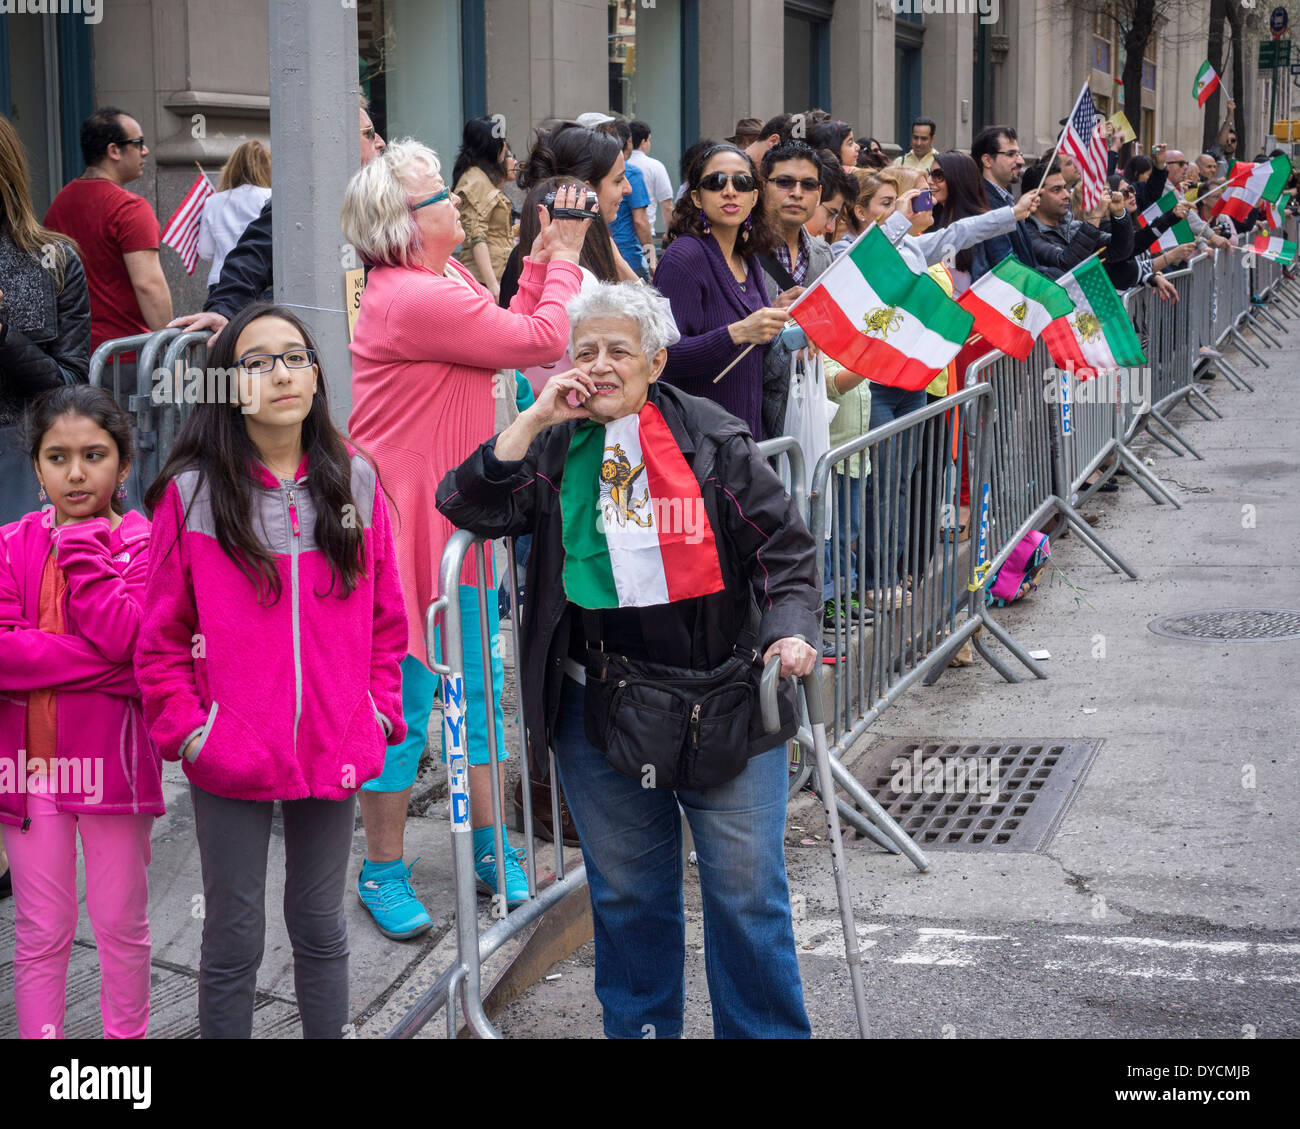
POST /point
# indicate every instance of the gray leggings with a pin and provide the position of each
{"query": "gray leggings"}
(233, 839)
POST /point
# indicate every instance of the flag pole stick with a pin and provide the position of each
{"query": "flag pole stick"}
(734, 363)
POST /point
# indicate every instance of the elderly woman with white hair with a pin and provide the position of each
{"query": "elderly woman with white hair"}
(666, 560)
(427, 345)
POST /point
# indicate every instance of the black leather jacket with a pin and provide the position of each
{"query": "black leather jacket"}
(44, 329)
(764, 548)
(246, 273)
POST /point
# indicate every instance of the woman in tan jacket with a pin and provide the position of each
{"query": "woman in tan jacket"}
(483, 165)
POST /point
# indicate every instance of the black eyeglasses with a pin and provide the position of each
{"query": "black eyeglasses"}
(717, 181)
(787, 183)
(133, 141)
(258, 364)
(1008, 152)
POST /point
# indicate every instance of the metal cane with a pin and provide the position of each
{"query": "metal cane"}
(812, 692)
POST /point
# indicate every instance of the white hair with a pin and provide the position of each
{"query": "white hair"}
(376, 217)
(642, 304)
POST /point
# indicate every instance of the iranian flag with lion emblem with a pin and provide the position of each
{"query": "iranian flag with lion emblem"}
(634, 526)
(871, 312)
(1098, 335)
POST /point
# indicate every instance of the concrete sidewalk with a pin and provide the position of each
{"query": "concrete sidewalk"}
(1165, 905)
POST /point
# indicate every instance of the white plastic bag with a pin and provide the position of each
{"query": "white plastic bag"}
(808, 415)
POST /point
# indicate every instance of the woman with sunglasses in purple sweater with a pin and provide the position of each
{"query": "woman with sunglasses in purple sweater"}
(710, 275)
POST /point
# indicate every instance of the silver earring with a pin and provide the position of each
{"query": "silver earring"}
(120, 492)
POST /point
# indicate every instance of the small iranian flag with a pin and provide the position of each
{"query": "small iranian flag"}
(1097, 335)
(1271, 247)
(875, 315)
(1167, 203)
(1012, 305)
(1181, 232)
(1206, 83)
(1248, 184)
(634, 527)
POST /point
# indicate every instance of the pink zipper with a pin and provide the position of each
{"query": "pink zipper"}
(293, 515)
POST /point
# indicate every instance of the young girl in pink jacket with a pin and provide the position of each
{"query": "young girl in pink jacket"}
(269, 654)
(74, 754)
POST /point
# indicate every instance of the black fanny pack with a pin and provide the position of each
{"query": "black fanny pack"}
(668, 726)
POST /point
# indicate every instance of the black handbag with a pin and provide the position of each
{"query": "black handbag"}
(668, 726)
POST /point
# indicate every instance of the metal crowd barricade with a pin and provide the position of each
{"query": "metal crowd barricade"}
(463, 979)
(156, 388)
(186, 356)
(1170, 333)
(786, 457)
(1021, 493)
(924, 593)
(1090, 424)
(131, 385)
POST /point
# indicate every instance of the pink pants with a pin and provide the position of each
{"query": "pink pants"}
(43, 861)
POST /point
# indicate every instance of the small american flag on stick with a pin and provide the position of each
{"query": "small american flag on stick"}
(182, 234)
(1085, 143)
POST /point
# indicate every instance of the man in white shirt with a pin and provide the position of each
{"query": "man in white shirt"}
(657, 182)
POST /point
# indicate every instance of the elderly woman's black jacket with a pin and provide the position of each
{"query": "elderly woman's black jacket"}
(764, 548)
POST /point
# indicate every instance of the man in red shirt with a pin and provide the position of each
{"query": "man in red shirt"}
(116, 231)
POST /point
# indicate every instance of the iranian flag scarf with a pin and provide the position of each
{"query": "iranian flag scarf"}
(635, 530)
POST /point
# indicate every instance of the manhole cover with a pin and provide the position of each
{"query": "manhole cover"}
(1231, 625)
(978, 795)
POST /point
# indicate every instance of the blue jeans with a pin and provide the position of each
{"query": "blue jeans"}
(631, 843)
(892, 477)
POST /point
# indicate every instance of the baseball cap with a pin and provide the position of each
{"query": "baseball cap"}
(592, 118)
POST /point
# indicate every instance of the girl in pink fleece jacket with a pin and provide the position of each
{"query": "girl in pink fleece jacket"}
(74, 754)
(269, 654)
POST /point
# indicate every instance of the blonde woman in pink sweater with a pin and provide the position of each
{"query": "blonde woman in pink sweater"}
(429, 340)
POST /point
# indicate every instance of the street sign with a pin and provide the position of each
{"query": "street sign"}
(1277, 22)
(1274, 53)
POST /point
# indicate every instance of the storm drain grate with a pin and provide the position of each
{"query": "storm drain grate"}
(978, 795)
(1231, 625)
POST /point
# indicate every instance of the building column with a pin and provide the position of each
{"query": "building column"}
(862, 67)
(546, 59)
(947, 73)
(742, 65)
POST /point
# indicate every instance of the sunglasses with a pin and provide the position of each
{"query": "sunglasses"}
(717, 181)
(133, 141)
(787, 183)
(436, 198)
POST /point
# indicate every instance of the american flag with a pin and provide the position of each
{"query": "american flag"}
(1084, 142)
(182, 234)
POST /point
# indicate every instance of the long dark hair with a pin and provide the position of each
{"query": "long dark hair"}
(961, 176)
(597, 255)
(688, 217)
(830, 135)
(569, 150)
(214, 441)
(481, 148)
(96, 404)
(1136, 166)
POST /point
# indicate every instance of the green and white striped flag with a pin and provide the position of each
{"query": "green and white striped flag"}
(1181, 232)
(1167, 203)
(1272, 247)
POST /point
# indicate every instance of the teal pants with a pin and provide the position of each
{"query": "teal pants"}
(420, 687)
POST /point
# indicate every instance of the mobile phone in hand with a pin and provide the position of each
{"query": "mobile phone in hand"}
(923, 202)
